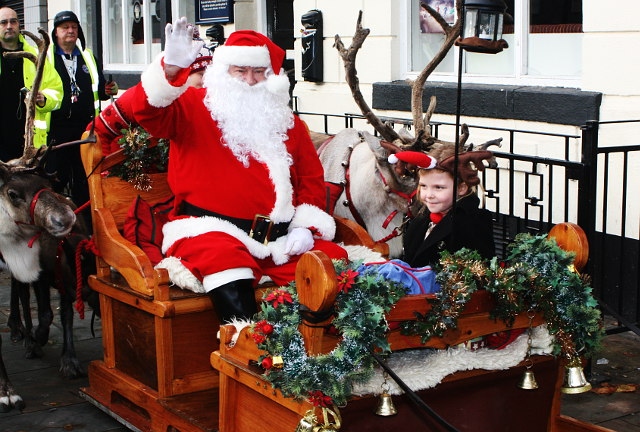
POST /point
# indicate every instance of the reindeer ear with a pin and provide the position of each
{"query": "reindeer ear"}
(5, 172)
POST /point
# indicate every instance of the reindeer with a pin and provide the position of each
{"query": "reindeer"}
(367, 188)
(39, 237)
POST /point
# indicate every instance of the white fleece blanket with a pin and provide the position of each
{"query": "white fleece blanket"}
(425, 368)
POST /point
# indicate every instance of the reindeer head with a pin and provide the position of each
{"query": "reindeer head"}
(28, 203)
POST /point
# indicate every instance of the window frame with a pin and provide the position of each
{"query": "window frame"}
(125, 34)
(520, 47)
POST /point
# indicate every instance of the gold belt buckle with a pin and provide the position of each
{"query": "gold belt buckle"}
(261, 228)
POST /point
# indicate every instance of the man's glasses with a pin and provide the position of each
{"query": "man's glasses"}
(4, 22)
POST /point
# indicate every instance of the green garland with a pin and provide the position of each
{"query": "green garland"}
(360, 307)
(540, 276)
(537, 275)
(140, 159)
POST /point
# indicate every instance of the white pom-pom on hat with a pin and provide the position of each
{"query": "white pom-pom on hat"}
(419, 159)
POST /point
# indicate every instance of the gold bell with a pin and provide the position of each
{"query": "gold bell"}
(307, 422)
(574, 379)
(528, 381)
(385, 406)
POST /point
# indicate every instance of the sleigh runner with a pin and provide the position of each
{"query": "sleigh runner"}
(164, 370)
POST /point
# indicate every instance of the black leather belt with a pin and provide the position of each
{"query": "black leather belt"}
(260, 228)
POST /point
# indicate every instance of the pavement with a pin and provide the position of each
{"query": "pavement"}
(53, 403)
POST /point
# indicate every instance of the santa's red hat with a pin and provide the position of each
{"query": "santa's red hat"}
(419, 159)
(250, 48)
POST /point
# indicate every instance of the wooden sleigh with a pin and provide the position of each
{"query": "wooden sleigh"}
(163, 368)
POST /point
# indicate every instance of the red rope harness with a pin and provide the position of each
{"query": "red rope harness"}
(32, 220)
(83, 245)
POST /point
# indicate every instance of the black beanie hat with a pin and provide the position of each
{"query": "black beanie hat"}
(65, 16)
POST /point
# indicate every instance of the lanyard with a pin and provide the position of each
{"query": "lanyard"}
(72, 66)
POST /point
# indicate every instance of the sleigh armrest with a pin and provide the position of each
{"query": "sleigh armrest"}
(111, 197)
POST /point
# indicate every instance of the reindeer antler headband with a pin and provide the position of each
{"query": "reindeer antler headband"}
(467, 172)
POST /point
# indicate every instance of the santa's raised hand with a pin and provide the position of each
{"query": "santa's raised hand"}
(180, 49)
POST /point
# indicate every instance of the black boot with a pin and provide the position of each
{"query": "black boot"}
(234, 300)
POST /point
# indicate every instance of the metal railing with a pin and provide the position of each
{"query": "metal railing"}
(545, 178)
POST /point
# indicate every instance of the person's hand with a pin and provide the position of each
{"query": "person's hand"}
(299, 241)
(180, 49)
(111, 88)
(41, 99)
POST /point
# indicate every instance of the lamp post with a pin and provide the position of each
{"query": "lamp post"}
(480, 32)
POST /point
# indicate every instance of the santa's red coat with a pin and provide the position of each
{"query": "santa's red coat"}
(109, 124)
(205, 173)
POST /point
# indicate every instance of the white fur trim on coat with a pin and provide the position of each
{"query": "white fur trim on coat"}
(180, 275)
(160, 93)
(195, 226)
(308, 216)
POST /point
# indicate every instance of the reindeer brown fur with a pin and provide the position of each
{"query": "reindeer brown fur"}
(377, 194)
(39, 234)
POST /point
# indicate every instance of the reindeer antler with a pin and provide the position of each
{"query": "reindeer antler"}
(466, 171)
(349, 59)
(424, 140)
(30, 152)
(420, 122)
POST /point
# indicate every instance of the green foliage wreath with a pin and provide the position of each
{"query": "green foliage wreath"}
(360, 308)
(141, 158)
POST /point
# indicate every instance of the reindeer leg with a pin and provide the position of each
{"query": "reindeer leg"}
(69, 364)
(19, 295)
(8, 397)
(45, 313)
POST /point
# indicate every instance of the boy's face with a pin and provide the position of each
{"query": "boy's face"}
(435, 190)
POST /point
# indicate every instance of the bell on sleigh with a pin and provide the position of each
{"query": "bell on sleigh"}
(528, 381)
(385, 406)
(307, 422)
(574, 379)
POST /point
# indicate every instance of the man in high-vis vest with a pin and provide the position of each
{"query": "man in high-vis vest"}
(84, 88)
(16, 79)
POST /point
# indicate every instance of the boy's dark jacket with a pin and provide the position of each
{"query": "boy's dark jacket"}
(473, 230)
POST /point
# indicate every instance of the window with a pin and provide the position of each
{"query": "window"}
(544, 36)
(132, 31)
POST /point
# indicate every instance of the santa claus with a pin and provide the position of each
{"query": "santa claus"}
(248, 183)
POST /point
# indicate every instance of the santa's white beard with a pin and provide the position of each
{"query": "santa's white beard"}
(254, 121)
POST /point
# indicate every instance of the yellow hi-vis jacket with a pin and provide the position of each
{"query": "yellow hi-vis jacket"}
(90, 61)
(50, 87)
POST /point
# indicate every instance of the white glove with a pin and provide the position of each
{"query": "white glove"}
(179, 48)
(299, 241)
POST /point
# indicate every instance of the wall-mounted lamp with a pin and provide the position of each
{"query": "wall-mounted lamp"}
(482, 26)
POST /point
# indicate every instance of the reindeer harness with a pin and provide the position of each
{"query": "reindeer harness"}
(348, 202)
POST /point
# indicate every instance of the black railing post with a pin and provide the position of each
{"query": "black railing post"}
(587, 193)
